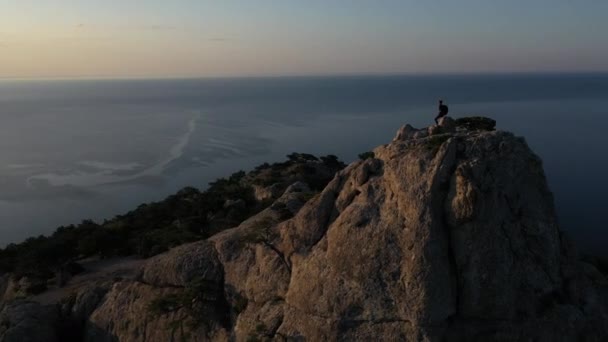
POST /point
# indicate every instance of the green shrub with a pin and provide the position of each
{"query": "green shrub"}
(259, 334)
(366, 155)
(152, 228)
(198, 299)
(299, 157)
(476, 123)
(309, 196)
(332, 161)
(259, 232)
(283, 211)
(435, 141)
(239, 303)
(260, 328)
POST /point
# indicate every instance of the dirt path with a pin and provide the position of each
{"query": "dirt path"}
(95, 270)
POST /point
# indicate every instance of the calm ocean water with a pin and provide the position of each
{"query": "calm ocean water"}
(71, 150)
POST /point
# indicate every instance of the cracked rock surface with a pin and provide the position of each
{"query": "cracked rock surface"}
(447, 234)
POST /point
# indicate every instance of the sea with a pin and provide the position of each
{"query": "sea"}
(91, 149)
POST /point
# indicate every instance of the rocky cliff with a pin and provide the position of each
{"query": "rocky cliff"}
(447, 233)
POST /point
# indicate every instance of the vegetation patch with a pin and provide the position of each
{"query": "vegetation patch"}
(306, 197)
(259, 232)
(366, 155)
(260, 334)
(198, 301)
(152, 228)
(435, 141)
(476, 123)
(239, 303)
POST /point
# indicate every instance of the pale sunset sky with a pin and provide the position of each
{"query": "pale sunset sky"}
(204, 38)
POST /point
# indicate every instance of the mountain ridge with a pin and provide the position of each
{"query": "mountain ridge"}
(445, 233)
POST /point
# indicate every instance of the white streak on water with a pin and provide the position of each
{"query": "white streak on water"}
(100, 165)
(106, 174)
(225, 145)
(23, 166)
(176, 152)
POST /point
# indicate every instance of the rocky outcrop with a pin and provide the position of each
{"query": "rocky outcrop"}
(127, 312)
(184, 264)
(443, 236)
(12, 288)
(448, 234)
(22, 321)
(186, 293)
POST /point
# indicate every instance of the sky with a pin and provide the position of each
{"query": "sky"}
(209, 38)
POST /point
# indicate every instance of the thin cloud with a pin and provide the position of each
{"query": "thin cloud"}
(158, 27)
(220, 39)
(79, 39)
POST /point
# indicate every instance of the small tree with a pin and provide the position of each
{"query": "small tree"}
(366, 155)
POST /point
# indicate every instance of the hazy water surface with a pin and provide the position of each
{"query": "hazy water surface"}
(71, 150)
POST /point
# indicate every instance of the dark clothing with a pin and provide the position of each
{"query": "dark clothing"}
(443, 111)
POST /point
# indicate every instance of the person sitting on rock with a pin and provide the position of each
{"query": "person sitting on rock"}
(443, 111)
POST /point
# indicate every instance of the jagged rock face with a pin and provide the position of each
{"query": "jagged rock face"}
(125, 312)
(440, 237)
(451, 236)
(125, 315)
(504, 235)
(183, 264)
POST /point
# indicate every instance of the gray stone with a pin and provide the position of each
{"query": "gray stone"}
(22, 321)
(183, 264)
(405, 133)
(447, 124)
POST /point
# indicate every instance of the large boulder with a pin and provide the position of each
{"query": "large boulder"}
(184, 264)
(22, 321)
(447, 124)
(405, 133)
(126, 315)
(408, 132)
(476, 123)
(178, 296)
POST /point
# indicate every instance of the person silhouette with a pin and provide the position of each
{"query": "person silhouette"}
(443, 111)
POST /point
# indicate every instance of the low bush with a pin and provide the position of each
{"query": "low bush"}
(476, 123)
(153, 228)
(434, 142)
(366, 155)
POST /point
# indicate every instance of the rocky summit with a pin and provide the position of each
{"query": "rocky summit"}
(447, 233)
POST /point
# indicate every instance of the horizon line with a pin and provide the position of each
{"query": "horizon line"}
(327, 75)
